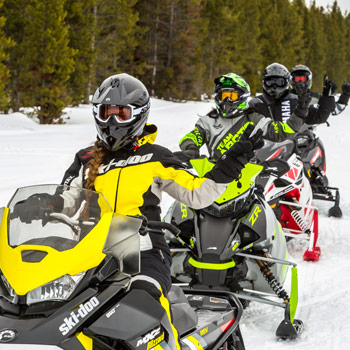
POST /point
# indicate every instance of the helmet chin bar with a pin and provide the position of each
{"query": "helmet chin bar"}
(114, 137)
(275, 93)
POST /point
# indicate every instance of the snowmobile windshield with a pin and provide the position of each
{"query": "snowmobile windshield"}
(61, 236)
(273, 150)
(60, 229)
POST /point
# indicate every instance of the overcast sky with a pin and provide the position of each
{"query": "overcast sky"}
(343, 4)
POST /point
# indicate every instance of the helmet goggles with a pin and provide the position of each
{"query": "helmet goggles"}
(228, 95)
(121, 114)
(300, 78)
(278, 81)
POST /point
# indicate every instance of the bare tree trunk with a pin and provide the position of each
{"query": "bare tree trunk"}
(17, 101)
(211, 63)
(155, 52)
(92, 65)
(171, 34)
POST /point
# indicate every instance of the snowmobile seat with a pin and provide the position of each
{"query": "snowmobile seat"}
(185, 318)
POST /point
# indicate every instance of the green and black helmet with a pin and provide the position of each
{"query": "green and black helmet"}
(231, 93)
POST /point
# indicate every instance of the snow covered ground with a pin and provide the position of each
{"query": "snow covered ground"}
(34, 154)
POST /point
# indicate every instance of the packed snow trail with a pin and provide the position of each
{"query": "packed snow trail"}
(34, 154)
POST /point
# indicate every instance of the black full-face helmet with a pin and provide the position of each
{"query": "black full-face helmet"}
(120, 107)
(301, 77)
(275, 79)
(230, 94)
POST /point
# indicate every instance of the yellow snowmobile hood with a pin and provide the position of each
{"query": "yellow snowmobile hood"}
(26, 276)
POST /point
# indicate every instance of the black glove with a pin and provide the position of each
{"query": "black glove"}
(302, 108)
(191, 151)
(329, 87)
(344, 97)
(231, 163)
(346, 89)
(256, 140)
(35, 207)
(243, 150)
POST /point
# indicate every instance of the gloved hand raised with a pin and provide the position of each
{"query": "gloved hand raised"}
(344, 97)
(329, 87)
(346, 89)
(231, 163)
(302, 108)
(33, 208)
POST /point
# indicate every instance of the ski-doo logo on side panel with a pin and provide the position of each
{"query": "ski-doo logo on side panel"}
(78, 315)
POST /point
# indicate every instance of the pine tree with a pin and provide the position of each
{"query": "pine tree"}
(5, 44)
(282, 34)
(317, 48)
(82, 27)
(48, 61)
(117, 37)
(301, 11)
(150, 47)
(171, 43)
(335, 62)
(347, 57)
(14, 12)
(181, 70)
(216, 47)
(244, 43)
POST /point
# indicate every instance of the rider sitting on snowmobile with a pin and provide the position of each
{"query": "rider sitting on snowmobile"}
(131, 172)
(278, 102)
(223, 126)
(301, 78)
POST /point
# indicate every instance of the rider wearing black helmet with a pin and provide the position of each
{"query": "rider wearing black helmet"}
(301, 79)
(275, 79)
(132, 172)
(278, 102)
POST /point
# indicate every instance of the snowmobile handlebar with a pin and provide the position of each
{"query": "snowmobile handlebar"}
(158, 225)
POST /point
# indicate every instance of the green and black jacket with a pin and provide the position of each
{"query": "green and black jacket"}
(219, 134)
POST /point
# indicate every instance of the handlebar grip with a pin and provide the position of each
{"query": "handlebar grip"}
(164, 225)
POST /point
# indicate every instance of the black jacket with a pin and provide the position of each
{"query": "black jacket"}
(280, 110)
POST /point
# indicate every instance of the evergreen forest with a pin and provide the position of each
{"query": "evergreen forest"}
(54, 53)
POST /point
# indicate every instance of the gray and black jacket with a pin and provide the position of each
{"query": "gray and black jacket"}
(219, 134)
